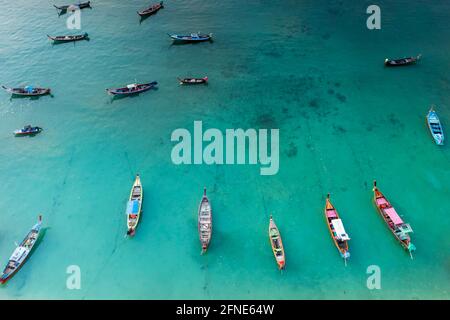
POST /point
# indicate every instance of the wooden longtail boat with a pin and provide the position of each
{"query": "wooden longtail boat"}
(434, 124)
(69, 38)
(82, 5)
(21, 253)
(29, 91)
(133, 88)
(401, 62)
(336, 228)
(277, 244)
(398, 228)
(205, 222)
(27, 131)
(151, 10)
(193, 80)
(193, 37)
(134, 206)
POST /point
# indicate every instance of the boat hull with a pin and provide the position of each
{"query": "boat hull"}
(279, 258)
(136, 194)
(344, 249)
(127, 92)
(435, 127)
(205, 222)
(35, 230)
(152, 10)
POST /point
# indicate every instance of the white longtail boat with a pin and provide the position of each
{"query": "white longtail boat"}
(21, 253)
(205, 222)
(336, 228)
(134, 206)
(277, 244)
(435, 126)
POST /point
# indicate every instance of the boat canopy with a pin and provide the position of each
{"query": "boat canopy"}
(131, 86)
(394, 216)
(339, 229)
(331, 213)
(133, 207)
(18, 254)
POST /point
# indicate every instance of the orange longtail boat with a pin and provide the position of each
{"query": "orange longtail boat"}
(337, 231)
(398, 228)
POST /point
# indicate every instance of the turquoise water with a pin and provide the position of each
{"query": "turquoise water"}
(310, 68)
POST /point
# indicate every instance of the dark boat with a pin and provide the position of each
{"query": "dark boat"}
(27, 91)
(27, 131)
(151, 10)
(78, 6)
(193, 80)
(133, 88)
(401, 62)
(193, 37)
(21, 253)
(77, 37)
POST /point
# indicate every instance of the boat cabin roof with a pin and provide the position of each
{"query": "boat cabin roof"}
(394, 216)
(339, 229)
(133, 207)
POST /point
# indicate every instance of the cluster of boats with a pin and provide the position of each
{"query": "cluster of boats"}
(395, 224)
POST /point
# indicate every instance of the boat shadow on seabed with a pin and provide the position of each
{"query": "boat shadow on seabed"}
(131, 95)
(38, 243)
(13, 97)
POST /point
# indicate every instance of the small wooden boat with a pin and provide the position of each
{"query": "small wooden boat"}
(434, 124)
(193, 80)
(336, 228)
(82, 5)
(277, 244)
(134, 206)
(27, 91)
(398, 228)
(205, 221)
(193, 37)
(401, 62)
(133, 88)
(21, 253)
(27, 131)
(77, 37)
(151, 10)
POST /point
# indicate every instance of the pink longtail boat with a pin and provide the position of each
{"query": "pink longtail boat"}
(398, 228)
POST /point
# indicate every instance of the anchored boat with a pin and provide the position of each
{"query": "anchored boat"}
(151, 10)
(277, 244)
(401, 62)
(435, 126)
(193, 80)
(336, 228)
(133, 88)
(205, 222)
(193, 37)
(27, 91)
(69, 38)
(134, 206)
(398, 228)
(27, 131)
(21, 253)
(65, 8)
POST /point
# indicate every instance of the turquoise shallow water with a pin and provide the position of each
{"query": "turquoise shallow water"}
(309, 68)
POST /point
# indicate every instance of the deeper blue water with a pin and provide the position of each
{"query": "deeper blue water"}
(309, 68)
